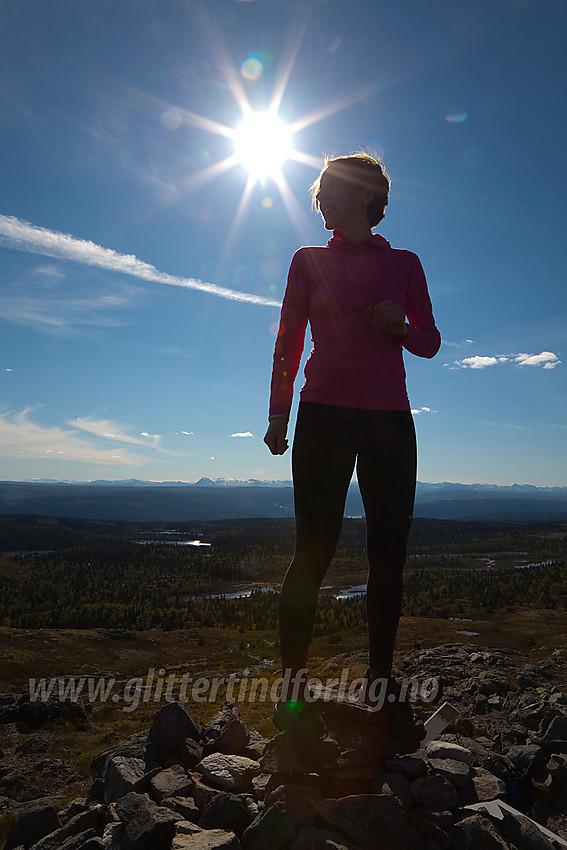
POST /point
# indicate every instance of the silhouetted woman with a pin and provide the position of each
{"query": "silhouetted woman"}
(365, 302)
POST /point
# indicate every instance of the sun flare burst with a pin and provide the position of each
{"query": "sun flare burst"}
(262, 143)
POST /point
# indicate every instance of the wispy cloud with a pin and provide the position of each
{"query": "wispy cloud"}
(546, 359)
(22, 236)
(417, 410)
(49, 308)
(447, 343)
(506, 425)
(22, 437)
(242, 434)
(111, 431)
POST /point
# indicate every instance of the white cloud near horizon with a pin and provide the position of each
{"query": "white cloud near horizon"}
(21, 235)
(546, 359)
(242, 434)
(417, 410)
(21, 437)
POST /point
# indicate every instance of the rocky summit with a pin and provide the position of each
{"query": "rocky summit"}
(495, 778)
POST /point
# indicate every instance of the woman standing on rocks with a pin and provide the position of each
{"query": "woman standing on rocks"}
(365, 302)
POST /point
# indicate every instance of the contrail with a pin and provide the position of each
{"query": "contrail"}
(23, 236)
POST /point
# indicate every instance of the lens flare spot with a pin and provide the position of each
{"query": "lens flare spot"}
(456, 117)
(241, 276)
(251, 68)
(271, 269)
(171, 118)
(335, 45)
(267, 203)
(203, 159)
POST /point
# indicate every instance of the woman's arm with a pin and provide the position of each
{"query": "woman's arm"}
(290, 339)
(423, 338)
(391, 316)
(276, 435)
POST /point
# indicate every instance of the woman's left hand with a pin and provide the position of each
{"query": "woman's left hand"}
(391, 316)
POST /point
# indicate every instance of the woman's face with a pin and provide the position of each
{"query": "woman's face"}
(341, 202)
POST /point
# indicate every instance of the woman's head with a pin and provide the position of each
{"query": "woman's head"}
(361, 169)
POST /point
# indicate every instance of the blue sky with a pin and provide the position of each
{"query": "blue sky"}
(140, 266)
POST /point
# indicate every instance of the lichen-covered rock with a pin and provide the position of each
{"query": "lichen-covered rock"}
(555, 737)
(483, 787)
(256, 746)
(126, 807)
(74, 833)
(171, 782)
(434, 791)
(410, 765)
(134, 747)
(150, 827)
(166, 744)
(475, 832)
(230, 773)
(557, 772)
(201, 791)
(273, 828)
(259, 784)
(34, 823)
(232, 812)
(395, 784)
(526, 757)
(448, 750)
(190, 837)
(456, 772)
(184, 806)
(520, 832)
(121, 776)
(225, 733)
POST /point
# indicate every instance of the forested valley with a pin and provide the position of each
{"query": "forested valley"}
(69, 573)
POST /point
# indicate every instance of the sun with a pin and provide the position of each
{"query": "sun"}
(262, 143)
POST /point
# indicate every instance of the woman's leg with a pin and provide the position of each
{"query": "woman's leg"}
(386, 468)
(323, 462)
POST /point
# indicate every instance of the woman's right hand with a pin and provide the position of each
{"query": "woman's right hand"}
(275, 438)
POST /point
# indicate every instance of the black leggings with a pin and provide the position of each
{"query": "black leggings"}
(328, 441)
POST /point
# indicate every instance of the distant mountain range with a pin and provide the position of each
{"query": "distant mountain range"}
(138, 482)
(225, 498)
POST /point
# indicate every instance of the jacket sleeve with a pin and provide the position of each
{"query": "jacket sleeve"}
(291, 338)
(423, 338)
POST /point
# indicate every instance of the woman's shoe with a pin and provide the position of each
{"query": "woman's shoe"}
(384, 696)
(302, 723)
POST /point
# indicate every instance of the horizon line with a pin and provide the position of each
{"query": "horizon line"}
(246, 482)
